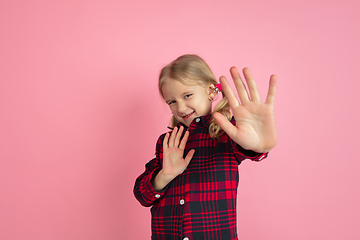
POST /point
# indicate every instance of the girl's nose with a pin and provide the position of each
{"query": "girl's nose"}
(181, 107)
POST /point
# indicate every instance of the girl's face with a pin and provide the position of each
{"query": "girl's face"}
(186, 102)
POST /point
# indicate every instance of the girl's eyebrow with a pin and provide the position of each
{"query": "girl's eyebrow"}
(187, 92)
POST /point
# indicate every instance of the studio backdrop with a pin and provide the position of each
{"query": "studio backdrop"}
(80, 112)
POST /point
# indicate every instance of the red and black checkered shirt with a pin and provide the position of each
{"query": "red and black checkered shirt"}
(200, 203)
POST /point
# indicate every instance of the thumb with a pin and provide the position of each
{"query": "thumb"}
(225, 124)
(189, 156)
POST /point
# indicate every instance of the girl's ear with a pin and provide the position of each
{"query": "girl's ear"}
(211, 88)
(211, 91)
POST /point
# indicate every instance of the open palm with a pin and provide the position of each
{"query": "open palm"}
(255, 127)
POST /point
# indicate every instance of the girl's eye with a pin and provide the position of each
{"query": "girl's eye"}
(188, 95)
(171, 102)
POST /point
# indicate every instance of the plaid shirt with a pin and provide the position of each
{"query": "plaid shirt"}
(200, 203)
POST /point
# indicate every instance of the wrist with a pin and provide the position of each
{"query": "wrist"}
(161, 180)
(165, 178)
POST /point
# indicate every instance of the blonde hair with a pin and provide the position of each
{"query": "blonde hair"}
(191, 68)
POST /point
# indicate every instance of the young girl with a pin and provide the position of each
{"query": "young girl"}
(192, 181)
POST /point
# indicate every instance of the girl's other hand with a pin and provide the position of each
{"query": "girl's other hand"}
(255, 127)
(173, 162)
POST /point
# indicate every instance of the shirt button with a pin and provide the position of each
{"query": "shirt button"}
(186, 238)
(182, 201)
(197, 120)
(157, 195)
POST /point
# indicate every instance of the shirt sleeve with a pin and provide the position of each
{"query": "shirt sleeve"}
(242, 154)
(143, 190)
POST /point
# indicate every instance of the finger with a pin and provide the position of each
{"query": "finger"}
(254, 92)
(225, 124)
(240, 86)
(184, 140)
(229, 93)
(189, 156)
(172, 137)
(165, 141)
(270, 99)
(178, 135)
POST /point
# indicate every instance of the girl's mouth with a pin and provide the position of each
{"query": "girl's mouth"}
(188, 115)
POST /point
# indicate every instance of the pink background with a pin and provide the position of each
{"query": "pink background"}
(80, 112)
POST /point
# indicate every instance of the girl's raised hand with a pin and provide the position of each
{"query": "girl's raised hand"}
(173, 150)
(255, 127)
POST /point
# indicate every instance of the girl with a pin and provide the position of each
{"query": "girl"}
(192, 181)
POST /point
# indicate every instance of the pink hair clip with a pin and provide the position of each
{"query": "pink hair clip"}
(218, 87)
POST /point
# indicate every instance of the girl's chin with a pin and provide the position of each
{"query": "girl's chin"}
(188, 121)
